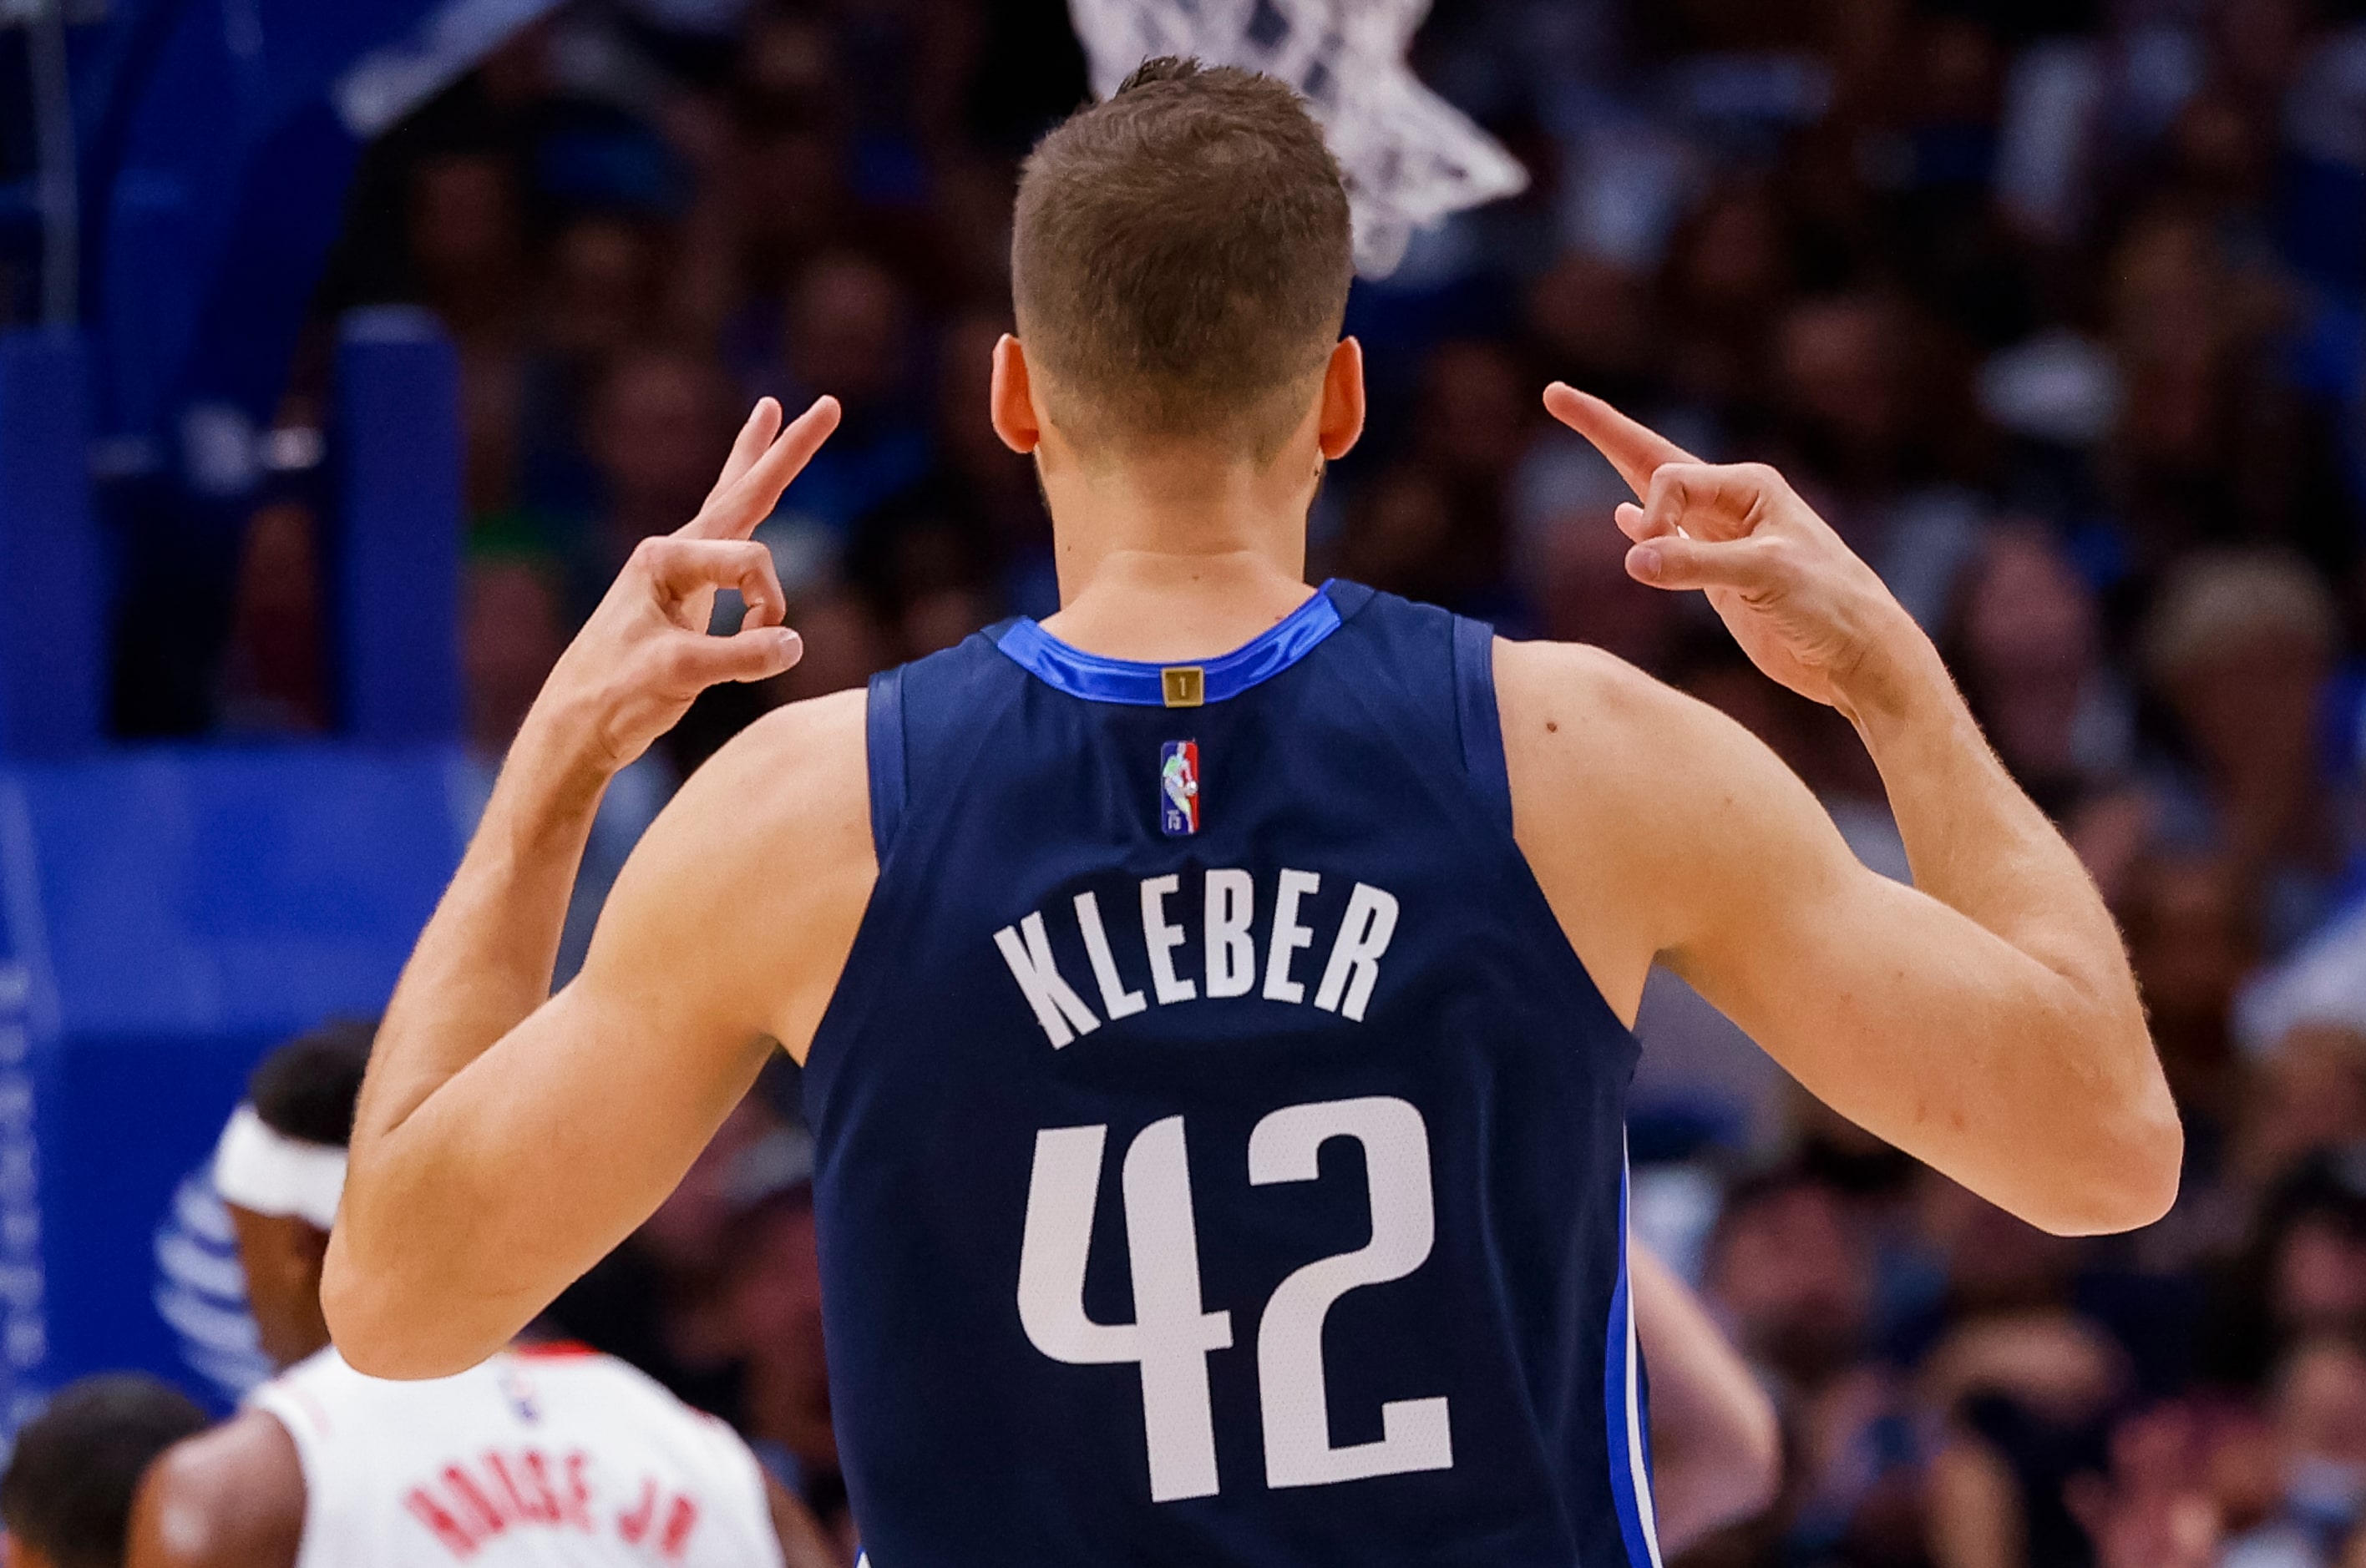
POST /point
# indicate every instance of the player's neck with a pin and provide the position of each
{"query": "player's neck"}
(1175, 558)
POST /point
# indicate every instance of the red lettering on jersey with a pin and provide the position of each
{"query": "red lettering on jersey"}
(679, 1524)
(545, 1496)
(579, 1492)
(633, 1525)
(472, 1500)
(523, 1505)
(449, 1530)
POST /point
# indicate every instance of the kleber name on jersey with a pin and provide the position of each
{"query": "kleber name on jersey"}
(1248, 939)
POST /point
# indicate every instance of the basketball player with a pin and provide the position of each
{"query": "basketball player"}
(65, 1497)
(1229, 1173)
(545, 1454)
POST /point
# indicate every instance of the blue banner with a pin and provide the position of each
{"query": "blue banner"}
(165, 918)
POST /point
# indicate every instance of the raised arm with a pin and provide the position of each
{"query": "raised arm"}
(1983, 1020)
(507, 1139)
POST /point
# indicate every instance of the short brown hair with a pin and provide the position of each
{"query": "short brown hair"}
(1181, 256)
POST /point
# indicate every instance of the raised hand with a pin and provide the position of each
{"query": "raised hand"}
(644, 655)
(1808, 612)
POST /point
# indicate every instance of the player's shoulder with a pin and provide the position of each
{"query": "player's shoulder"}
(1618, 779)
(820, 737)
(1541, 663)
(1613, 765)
(233, 1493)
(753, 879)
(799, 768)
(1571, 703)
(1603, 753)
(248, 1445)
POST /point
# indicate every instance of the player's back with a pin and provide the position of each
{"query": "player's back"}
(538, 1458)
(1220, 1149)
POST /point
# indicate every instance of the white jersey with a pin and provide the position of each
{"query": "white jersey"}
(542, 1456)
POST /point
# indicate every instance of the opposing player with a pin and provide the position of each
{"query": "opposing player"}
(65, 1497)
(1242, 1183)
(542, 1455)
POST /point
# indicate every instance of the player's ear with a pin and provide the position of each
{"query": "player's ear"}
(1012, 400)
(1343, 399)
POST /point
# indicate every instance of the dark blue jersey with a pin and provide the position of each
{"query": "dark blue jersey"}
(1220, 1148)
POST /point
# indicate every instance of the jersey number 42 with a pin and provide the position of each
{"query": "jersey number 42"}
(1172, 1332)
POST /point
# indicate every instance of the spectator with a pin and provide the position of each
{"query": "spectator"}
(659, 427)
(2028, 1399)
(1474, 421)
(847, 333)
(937, 558)
(2318, 1404)
(1400, 535)
(772, 1298)
(1791, 1277)
(513, 630)
(2158, 1508)
(2027, 643)
(1857, 378)
(2192, 934)
(469, 247)
(1729, 271)
(2301, 1272)
(603, 293)
(2241, 649)
(276, 680)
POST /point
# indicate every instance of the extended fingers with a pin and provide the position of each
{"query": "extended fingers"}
(735, 508)
(763, 423)
(1634, 448)
(1680, 493)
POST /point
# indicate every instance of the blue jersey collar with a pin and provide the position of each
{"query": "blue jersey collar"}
(1183, 684)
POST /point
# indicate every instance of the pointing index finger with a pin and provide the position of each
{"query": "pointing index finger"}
(1636, 450)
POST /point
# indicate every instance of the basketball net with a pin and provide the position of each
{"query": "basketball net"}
(1410, 157)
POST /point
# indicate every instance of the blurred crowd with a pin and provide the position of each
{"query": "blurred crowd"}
(2056, 311)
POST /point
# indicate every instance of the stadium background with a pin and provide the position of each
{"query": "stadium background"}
(378, 338)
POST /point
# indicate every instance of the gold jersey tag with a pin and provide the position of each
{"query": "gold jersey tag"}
(1184, 686)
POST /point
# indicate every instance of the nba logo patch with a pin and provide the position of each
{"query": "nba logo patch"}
(1178, 787)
